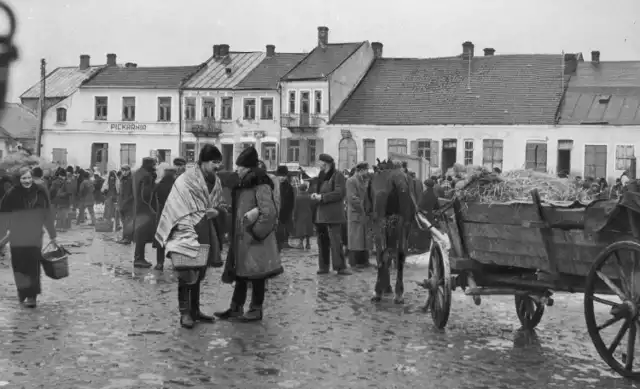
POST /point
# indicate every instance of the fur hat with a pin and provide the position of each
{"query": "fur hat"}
(179, 161)
(209, 153)
(282, 171)
(248, 157)
(325, 158)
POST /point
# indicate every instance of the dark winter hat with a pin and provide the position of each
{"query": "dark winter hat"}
(362, 166)
(248, 157)
(148, 162)
(429, 183)
(70, 169)
(179, 161)
(282, 171)
(208, 153)
(325, 158)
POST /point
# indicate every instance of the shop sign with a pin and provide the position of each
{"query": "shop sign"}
(117, 127)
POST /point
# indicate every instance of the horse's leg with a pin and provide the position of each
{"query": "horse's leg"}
(399, 297)
(383, 278)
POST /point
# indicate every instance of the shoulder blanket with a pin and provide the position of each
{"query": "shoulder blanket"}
(185, 207)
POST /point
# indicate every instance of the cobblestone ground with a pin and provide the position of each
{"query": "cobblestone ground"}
(108, 326)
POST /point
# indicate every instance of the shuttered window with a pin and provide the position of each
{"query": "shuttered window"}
(369, 146)
(59, 156)
(624, 154)
(536, 156)
(595, 161)
(492, 152)
(127, 154)
(397, 145)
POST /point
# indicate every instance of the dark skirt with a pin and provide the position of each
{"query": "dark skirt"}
(26, 270)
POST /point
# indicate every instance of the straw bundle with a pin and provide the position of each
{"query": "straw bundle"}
(14, 161)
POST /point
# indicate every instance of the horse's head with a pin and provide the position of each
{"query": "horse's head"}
(390, 191)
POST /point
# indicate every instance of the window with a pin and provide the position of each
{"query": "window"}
(189, 152)
(293, 150)
(59, 156)
(101, 108)
(468, 152)
(61, 115)
(318, 101)
(190, 108)
(536, 156)
(266, 109)
(595, 161)
(424, 149)
(369, 146)
(164, 109)
(311, 151)
(397, 145)
(208, 108)
(492, 153)
(128, 109)
(127, 154)
(246, 145)
(249, 109)
(624, 153)
(163, 155)
(304, 103)
(292, 101)
(226, 112)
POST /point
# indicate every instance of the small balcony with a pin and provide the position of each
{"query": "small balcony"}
(205, 127)
(304, 121)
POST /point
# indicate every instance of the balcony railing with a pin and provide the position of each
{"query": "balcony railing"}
(205, 127)
(301, 121)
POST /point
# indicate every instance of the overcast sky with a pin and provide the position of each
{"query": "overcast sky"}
(161, 32)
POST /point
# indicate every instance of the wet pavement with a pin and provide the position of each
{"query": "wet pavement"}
(109, 326)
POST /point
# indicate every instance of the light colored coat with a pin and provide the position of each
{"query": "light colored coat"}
(358, 210)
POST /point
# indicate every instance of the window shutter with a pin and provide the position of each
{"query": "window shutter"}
(530, 156)
(542, 157)
(304, 152)
(319, 147)
(414, 148)
(284, 147)
(435, 153)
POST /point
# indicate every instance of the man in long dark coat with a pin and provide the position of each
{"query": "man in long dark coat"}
(287, 199)
(160, 195)
(144, 222)
(125, 203)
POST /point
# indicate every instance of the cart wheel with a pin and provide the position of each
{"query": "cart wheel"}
(439, 291)
(529, 311)
(614, 273)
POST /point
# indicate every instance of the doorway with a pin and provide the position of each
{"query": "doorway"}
(227, 156)
(563, 167)
(269, 155)
(449, 153)
(100, 156)
(347, 154)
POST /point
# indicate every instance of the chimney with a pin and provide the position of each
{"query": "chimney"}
(595, 56)
(111, 60)
(223, 50)
(489, 51)
(467, 50)
(85, 62)
(271, 50)
(216, 51)
(130, 65)
(323, 36)
(377, 49)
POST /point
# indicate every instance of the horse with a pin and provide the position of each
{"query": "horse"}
(394, 207)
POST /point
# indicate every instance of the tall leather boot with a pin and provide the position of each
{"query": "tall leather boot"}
(233, 312)
(196, 314)
(184, 304)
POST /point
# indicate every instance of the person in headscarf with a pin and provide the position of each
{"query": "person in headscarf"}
(145, 217)
(329, 216)
(359, 210)
(24, 212)
(253, 255)
(125, 204)
(287, 200)
(188, 222)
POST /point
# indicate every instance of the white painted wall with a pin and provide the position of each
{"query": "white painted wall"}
(81, 129)
(346, 77)
(515, 139)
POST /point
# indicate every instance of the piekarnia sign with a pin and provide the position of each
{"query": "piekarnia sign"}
(127, 127)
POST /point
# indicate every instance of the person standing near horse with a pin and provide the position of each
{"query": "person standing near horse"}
(143, 210)
(125, 203)
(358, 214)
(329, 216)
(287, 200)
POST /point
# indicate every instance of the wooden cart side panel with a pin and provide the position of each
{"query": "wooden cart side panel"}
(450, 226)
(516, 214)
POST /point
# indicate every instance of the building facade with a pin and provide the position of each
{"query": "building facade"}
(314, 90)
(117, 117)
(212, 113)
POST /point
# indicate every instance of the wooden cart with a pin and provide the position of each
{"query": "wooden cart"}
(530, 251)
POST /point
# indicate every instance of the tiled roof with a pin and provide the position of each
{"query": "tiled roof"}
(603, 93)
(270, 71)
(62, 82)
(19, 121)
(502, 89)
(214, 75)
(161, 77)
(321, 62)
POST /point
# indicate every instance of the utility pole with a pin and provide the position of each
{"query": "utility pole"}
(43, 75)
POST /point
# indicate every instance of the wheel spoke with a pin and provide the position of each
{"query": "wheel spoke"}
(611, 285)
(609, 323)
(603, 301)
(619, 336)
(624, 281)
(631, 347)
